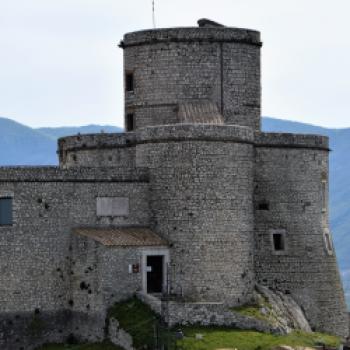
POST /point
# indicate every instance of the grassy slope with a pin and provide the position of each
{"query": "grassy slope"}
(137, 319)
(97, 346)
(248, 340)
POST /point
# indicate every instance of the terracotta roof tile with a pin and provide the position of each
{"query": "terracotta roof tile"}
(199, 112)
(122, 236)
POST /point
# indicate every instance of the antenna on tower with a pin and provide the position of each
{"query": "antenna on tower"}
(153, 15)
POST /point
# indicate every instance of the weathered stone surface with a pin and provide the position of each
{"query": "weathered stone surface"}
(282, 315)
(217, 193)
(217, 314)
(172, 66)
(118, 336)
(285, 313)
(294, 183)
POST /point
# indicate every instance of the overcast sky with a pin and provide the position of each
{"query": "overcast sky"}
(60, 63)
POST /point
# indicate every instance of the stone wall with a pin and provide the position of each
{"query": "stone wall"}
(100, 277)
(35, 259)
(201, 180)
(172, 66)
(213, 314)
(291, 197)
(98, 150)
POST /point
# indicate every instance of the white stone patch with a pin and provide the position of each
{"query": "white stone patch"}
(112, 206)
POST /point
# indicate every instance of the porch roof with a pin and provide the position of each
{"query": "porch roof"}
(122, 236)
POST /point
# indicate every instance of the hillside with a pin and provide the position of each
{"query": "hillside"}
(22, 145)
(73, 130)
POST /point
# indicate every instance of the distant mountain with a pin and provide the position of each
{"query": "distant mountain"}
(22, 145)
(87, 129)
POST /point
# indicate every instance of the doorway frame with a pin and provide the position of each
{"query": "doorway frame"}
(152, 252)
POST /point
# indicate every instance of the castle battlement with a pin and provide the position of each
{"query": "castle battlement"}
(192, 202)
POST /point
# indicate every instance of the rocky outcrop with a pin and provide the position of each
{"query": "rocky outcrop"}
(119, 336)
(271, 312)
(281, 310)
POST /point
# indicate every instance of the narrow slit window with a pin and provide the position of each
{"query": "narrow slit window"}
(324, 195)
(129, 81)
(278, 241)
(6, 218)
(130, 122)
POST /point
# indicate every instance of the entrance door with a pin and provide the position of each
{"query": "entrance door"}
(155, 273)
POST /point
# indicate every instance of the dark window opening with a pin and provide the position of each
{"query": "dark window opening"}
(130, 122)
(6, 211)
(264, 205)
(129, 82)
(155, 274)
(278, 241)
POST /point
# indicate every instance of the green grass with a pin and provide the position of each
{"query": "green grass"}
(96, 346)
(256, 310)
(251, 311)
(137, 319)
(248, 340)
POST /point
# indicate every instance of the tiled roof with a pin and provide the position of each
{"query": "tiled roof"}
(122, 236)
(199, 112)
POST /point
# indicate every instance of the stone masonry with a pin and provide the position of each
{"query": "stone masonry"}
(220, 205)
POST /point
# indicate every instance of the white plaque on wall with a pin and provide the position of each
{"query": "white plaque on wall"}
(112, 206)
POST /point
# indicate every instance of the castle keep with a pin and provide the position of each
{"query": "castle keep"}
(193, 201)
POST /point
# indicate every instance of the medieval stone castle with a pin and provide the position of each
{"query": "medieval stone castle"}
(192, 201)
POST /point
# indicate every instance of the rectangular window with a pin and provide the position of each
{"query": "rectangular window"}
(129, 81)
(6, 211)
(278, 241)
(130, 122)
(264, 205)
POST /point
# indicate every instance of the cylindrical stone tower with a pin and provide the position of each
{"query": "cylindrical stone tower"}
(177, 75)
(294, 249)
(201, 179)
